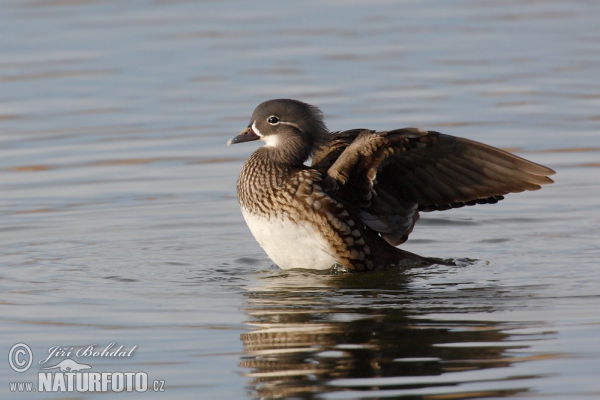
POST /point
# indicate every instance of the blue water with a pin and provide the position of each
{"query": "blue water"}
(119, 221)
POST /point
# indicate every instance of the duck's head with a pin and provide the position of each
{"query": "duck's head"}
(291, 129)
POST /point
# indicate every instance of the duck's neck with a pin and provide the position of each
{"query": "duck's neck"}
(290, 151)
(260, 180)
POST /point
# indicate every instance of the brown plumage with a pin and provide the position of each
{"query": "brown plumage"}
(364, 190)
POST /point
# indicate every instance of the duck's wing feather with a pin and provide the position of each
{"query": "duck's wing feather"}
(395, 174)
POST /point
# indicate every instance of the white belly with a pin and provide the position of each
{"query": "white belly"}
(290, 245)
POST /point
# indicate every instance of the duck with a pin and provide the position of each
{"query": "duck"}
(364, 190)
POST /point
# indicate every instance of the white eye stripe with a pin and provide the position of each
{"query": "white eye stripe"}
(277, 123)
(290, 123)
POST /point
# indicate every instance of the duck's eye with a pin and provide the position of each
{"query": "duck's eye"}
(273, 120)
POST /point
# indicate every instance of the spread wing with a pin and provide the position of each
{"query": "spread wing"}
(395, 174)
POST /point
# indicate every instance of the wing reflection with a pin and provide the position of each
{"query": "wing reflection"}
(374, 335)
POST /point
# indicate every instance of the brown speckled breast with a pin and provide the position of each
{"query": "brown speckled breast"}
(267, 189)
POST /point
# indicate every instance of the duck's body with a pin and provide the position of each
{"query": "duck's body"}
(275, 204)
(362, 195)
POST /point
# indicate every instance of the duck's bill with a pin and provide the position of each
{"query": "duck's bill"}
(247, 135)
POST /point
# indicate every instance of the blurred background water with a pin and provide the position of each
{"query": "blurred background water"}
(119, 221)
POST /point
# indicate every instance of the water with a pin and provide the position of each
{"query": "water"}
(120, 224)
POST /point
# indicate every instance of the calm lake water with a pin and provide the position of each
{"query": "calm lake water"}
(119, 222)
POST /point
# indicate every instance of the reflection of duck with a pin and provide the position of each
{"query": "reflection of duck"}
(363, 193)
(314, 333)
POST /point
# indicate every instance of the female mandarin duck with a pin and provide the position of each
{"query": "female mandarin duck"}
(362, 195)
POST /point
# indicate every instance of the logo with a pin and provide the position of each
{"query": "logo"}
(20, 357)
(69, 365)
(66, 375)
